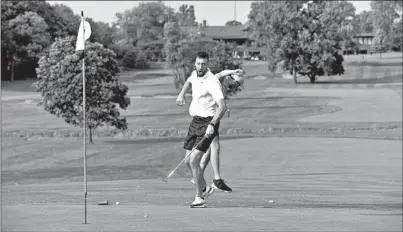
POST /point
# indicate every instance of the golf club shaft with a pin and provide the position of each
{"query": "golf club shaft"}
(194, 148)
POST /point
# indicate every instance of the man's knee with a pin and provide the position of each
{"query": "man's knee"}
(205, 159)
(195, 158)
(215, 144)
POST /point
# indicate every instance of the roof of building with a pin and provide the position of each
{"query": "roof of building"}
(364, 35)
(225, 32)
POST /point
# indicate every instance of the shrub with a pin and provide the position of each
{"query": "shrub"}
(60, 83)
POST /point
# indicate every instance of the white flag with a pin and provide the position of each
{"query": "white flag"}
(84, 32)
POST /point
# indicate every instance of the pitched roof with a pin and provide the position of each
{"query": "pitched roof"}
(364, 35)
(225, 32)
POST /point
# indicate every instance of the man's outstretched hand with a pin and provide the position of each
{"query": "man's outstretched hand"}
(180, 100)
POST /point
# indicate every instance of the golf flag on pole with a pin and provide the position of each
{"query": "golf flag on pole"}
(84, 32)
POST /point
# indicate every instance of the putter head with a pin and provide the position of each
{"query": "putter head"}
(103, 203)
(163, 179)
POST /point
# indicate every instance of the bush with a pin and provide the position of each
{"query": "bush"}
(130, 57)
(141, 61)
(60, 82)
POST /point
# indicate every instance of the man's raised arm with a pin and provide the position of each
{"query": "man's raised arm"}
(227, 72)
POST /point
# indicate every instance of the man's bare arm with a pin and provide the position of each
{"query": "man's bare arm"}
(180, 100)
(185, 88)
(221, 110)
(227, 72)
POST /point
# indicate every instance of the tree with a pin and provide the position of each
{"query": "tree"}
(383, 18)
(233, 23)
(364, 22)
(59, 21)
(145, 22)
(70, 20)
(381, 42)
(101, 33)
(60, 83)
(186, 15)
(24, 37)
(397, 40)
(306, 36)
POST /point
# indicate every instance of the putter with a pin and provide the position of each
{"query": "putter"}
(173, 171)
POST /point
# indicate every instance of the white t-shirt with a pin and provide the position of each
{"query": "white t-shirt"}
(206, 90)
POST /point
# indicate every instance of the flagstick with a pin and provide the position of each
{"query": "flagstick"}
(85, 127)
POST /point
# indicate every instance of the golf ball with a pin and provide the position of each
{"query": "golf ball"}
(145, 215)
(117, 203)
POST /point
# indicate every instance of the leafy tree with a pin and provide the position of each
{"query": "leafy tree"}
(58, 20)
(142, 60)
(23, 37)
(381, 42)
(101, 32)
(186, 15)
(233, 23)
(129, 58)
(145, 22)
(134, 58)
(384, 15)
(60, 83)
(67, 17)
(306, 35)
(364, 22)
(397, 40)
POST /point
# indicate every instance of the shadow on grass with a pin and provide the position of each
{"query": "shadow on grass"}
(385, 206)
(276, 107)
(153, 115)
(383, 80)
(285, 98)
(133, 77)
(168, 140)
(376, 63)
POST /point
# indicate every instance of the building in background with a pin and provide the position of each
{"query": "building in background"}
(245, 46)
(363, 44)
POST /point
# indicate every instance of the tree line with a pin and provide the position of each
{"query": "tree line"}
(137, 36)
(30, 27)
(307, 37)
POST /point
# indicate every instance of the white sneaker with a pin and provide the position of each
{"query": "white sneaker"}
(193, 181)
(198, 203)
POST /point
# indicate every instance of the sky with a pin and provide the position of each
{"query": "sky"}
(217, 13)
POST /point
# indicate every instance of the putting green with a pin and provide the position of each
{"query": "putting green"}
(316, 183)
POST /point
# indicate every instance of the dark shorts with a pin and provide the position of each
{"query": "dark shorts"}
(197, 130)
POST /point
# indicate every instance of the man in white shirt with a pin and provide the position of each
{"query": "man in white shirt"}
(207, 108)
(231, 82)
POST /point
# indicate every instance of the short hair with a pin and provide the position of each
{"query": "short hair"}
(202, 55)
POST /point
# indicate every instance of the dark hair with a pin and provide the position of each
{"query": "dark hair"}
(202, 55)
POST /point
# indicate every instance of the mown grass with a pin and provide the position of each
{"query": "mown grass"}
(161, 117)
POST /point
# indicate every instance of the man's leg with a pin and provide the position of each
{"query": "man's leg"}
(218, 182)
(195, 158)
(203, 163)
(215, 157)
(205, 160)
